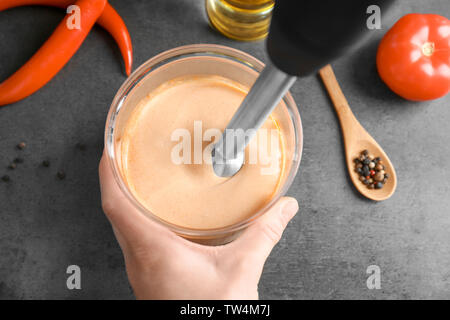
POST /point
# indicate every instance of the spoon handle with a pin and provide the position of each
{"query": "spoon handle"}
(350, 126)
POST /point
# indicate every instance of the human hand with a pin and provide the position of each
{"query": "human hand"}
(162, 265)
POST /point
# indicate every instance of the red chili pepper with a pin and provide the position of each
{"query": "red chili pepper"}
(109, 20)
(52, 56)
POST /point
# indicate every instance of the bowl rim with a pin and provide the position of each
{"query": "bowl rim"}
(141, 72)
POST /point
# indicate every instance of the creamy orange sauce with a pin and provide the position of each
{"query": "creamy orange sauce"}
(191, 195)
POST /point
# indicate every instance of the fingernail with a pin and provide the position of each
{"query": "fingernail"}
(290, 208)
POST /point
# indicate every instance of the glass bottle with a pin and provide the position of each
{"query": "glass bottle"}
(244, 20)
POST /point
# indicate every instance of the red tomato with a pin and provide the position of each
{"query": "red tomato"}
(413, 57)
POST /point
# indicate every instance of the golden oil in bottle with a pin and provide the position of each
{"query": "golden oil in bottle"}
(240, 19)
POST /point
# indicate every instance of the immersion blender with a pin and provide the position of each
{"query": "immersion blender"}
(304, 36)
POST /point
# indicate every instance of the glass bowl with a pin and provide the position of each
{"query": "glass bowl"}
(193, 60)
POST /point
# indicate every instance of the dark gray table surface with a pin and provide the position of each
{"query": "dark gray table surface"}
(46, 224)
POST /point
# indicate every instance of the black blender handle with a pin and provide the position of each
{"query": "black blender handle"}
(305, 35)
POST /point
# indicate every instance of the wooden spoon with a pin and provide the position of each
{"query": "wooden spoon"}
(356, 139)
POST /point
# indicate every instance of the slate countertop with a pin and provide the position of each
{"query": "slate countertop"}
(46, 224)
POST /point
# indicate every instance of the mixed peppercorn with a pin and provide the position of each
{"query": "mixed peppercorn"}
(371, 170)
(15, 162)
(61, 175)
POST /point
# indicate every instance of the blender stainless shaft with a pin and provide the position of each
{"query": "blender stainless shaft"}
(265, 94)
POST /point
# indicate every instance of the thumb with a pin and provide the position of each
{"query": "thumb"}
(259, 239)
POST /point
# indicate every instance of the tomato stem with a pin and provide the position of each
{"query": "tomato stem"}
(428, 49)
